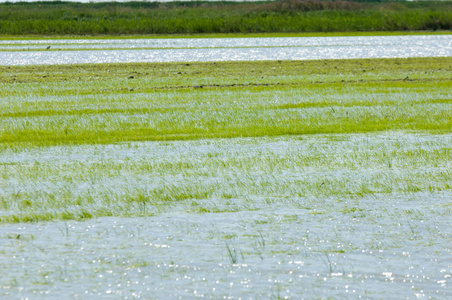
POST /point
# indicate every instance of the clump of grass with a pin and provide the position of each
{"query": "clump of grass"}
(233, 252)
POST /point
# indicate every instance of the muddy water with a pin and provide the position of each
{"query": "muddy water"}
(228, 49)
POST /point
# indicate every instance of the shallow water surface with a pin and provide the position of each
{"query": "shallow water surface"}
(29, 52)
(275, 252)
(265, 234)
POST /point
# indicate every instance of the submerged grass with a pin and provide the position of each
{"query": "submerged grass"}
(71, 137)
(215, 176)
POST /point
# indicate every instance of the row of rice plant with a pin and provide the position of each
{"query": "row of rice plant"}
(142, 179)
(72, 148)
(149, 107)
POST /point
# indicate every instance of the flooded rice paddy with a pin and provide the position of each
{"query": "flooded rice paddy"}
(31, 52)
(317, 216)
(286, 217)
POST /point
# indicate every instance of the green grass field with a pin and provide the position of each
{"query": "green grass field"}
(81, 104)
(77, 106)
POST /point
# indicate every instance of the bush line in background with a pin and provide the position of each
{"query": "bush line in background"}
(64, 18)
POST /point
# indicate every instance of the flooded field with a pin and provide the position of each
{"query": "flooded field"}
(249, 180)
(347, 216)
(29, 52)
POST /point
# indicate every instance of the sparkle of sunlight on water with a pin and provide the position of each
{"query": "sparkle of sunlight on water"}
(32, 52)
(379, 245)
(281, 251)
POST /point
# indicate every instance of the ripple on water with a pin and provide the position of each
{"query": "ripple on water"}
(227, 49)
(379, 245)
(179, 255)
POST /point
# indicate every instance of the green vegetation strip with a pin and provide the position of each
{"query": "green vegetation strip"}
(199, 17)
(297, 132)
(219, 35)
(145, 179)
(91, 104)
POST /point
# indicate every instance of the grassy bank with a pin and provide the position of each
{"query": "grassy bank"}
(224, 35)
(141, 18)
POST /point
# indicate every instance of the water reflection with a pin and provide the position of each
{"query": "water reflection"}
(29, 52)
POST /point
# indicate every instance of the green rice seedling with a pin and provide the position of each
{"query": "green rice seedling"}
(293, 132)
(82, 115)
